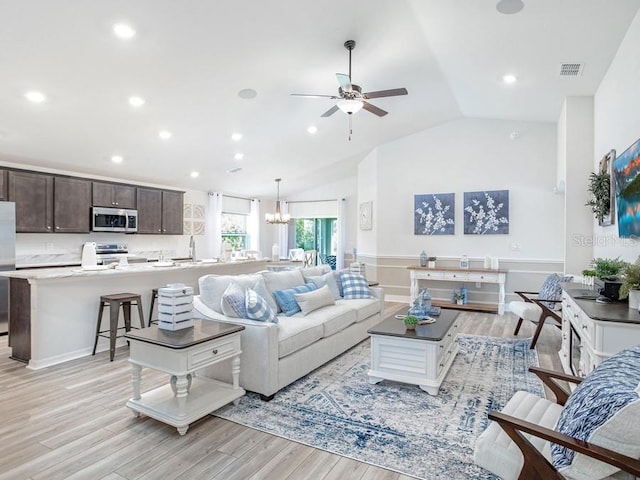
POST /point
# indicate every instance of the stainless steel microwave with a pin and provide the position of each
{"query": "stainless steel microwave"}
(114, 220)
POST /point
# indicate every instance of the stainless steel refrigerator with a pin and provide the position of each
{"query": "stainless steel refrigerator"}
(7, 258)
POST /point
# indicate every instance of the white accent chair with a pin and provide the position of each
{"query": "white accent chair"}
(598, 421)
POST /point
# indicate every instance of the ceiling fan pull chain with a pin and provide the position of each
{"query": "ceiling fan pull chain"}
(350, 126)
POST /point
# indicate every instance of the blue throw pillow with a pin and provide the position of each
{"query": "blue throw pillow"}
(551, 290)
(287, 302)
(232, 301)
(603, 409)
(258, 308)
(354, 286)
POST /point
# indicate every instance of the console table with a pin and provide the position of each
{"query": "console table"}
(186, 397)
(476, 275)
(592, 332)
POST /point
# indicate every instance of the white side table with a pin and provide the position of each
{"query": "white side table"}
(186, 397)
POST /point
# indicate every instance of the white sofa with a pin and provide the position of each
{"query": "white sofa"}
(276, 354)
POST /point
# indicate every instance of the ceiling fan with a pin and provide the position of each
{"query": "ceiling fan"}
(350, 97)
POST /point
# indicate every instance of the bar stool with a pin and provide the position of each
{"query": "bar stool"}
(114, 302)
(154, 296)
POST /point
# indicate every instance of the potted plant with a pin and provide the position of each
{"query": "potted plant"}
(458, 296)
(608, 268)
(410, 321)
(631, 285)
(600, 190)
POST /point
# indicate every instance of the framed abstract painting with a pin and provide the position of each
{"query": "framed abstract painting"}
(486, 212)
(433, 214)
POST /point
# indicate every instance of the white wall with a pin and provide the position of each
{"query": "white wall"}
(575, 129)
(366, 241)
(617, 126)
(471, 155)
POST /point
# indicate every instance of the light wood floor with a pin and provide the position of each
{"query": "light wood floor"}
(70, 422)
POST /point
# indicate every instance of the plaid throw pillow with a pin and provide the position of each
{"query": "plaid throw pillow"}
(258, 308)
(354, 286)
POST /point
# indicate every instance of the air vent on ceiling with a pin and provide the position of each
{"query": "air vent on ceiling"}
(235, 170)
(571, 69)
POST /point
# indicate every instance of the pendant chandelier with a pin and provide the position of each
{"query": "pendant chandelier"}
(278, 217)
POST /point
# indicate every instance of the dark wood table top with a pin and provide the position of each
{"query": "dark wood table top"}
(202, 331)
(434, 332)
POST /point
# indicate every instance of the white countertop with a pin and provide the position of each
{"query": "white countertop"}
(132, 269)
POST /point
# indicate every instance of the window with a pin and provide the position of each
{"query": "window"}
(234, 230)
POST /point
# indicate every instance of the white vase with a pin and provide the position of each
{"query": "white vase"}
(634, 299)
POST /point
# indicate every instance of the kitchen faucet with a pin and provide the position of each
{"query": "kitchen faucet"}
(192, 249)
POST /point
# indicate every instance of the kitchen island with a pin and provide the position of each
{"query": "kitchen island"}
(53, 311)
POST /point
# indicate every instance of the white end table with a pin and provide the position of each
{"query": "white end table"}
(186, 397)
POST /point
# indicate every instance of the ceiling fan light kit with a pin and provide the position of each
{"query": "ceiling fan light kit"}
(278, 218)
(350, 98)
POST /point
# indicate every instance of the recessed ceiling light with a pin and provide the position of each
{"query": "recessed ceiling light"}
(35, 97)
(247, 93)
(312, 129)
(195, 174)
(117, 159)
(236, 137)
(136, 101)
(239, 156)
(509, 7)
(123, 31)
(509, 79)
(164, 134)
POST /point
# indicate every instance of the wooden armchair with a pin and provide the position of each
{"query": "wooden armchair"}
(536, 310)
(517, 445)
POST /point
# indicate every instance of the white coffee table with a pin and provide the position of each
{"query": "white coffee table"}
(186, 397)
(420, 357)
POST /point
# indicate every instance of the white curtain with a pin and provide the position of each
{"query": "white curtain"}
(253, 226)
(213, 226)
(283, 232)
(341, 234)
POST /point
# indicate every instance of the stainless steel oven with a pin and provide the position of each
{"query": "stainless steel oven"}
(114, 220)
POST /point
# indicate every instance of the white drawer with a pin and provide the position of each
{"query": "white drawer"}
(433, 275)
(458, 276)
(483, 277)
(213, 352)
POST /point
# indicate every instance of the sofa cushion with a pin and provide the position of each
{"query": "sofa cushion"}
(327, 279)
(310, 301)
(233, 301)
(333, 319)
(258, 308)
(354, 286)
(364, 307)
(212, 287)
(295, 333)
(281, 281)
(315, 271)
(496, 452)
(286, 300)
(605, 410)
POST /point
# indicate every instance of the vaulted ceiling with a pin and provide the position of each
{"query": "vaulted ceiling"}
(189, 61)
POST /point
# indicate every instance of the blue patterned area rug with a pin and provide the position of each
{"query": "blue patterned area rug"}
(394, 425)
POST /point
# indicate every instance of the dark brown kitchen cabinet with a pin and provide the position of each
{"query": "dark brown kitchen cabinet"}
(159, 211)
(71, 205)
(172, 212)
(33, 195)
(114, 195)
(3, 185)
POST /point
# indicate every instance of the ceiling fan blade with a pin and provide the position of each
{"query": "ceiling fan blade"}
(386, 93)
(344, 80)
(330, 112)
(373, 109)
(313, 96)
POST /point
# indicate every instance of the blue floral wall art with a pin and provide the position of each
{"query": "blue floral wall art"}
(486, 213)
(434, 214)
